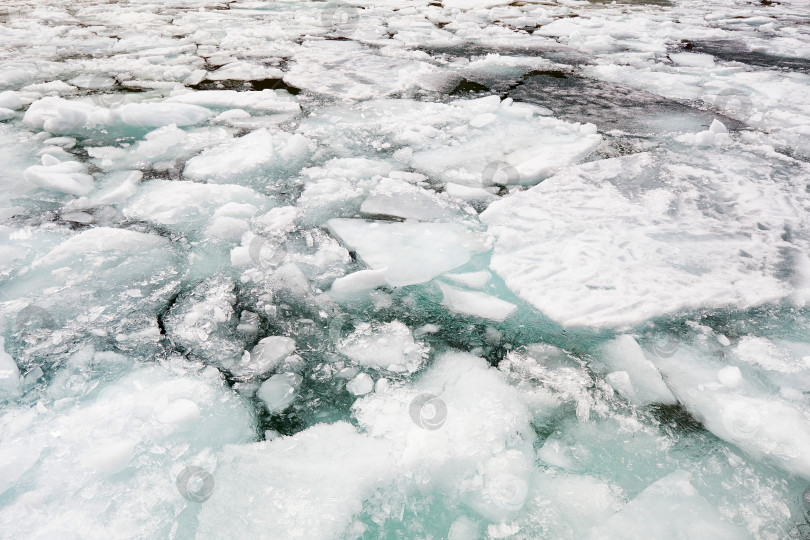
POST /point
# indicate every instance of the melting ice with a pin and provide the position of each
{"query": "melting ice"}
(470, 269)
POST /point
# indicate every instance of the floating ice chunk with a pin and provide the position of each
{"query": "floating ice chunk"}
(64, 142)
(618, 241)
(62, 176)
(256, 152)
(307, 487)
(60, 116)
(360, 385)
(658, 512)
(10, 100)
(388, 346)
(467, 193)
(474, 4)
(570, 504)
(266, 100)
(358, 282)
(464, 428)
(203, 320)
(786, 363)
(717, 135)
(641, 383)
(97, 240)
(96, 456)
(692, 59)
(244, 71)
(57, 115)
(717, 127)
(464, 528)
(122, 186)
(730, 376)
(279, 391)
(763, 425)
(411, 252)
(6, 114)
(232, 114)
(9, 375)
(561, 380)
(475, 303)
(84, 286)
(400, 199)
(345, 70)
(188, 206)
(154, 115)
(522, 144)
(268, 353)
(338, 187)
(92, 82)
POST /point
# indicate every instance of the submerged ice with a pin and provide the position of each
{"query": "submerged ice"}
(463, 269)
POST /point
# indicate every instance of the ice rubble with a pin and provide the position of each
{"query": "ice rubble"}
(218, 210)
(480, 457)
(456, 142)
(260, 151)
(165, 192)
(737, 409)
(92, 438)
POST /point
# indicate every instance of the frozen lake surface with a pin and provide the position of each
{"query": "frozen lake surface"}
(452, 269)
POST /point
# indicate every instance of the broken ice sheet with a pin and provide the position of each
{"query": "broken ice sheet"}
(615, 242)
(127, 434)
(104, 282)
(455, 142)
(287, 195)
(411, 253)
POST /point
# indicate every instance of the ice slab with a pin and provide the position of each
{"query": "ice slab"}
(475, 303)
(308, 486)
(203, 321)
(396, 198)
(463, 429)
(258, 152)
(75, 445)
(60, 116)
(268, 354)
(388, 346)
(162, 149)
(411, 253)
(762, 424)
(642, 383)
(345, 70)
(265, 100)
(62, 176)
(279, 391)
(103, 281)
(614, 242)
(192, 208)
(474, 142)
(659, 511)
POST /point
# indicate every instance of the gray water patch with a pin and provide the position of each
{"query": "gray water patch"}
(611, 106)
(738, 51)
